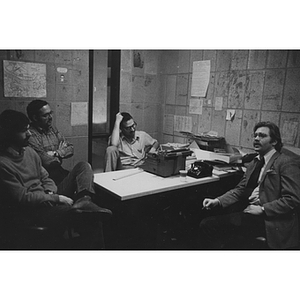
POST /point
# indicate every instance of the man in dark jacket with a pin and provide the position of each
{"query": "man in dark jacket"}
(265, 204)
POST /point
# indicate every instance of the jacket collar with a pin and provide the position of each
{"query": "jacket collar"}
(269, 165)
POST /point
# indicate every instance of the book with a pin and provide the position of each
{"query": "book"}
(219, 165)
(228, 158)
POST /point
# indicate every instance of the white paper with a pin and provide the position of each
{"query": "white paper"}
(218, 103)
(200, 78)
(208, 155)
(230, 114)
(182, 123)
(168, 124)
(196, 106)
(289, 132)
(201, 154)
(79, 113)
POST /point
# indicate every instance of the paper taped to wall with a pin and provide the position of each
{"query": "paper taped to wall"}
(200, 78)
(79, 113)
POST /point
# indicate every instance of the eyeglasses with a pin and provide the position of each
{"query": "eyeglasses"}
(47, 115)
(133, 126)
(260, 135)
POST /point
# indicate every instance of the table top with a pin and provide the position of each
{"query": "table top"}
(133, 183)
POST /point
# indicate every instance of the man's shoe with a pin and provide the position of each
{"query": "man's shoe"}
(85, 205)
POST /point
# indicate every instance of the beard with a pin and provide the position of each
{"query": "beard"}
(26, 143)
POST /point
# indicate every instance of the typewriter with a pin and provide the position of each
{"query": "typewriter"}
(166, 162)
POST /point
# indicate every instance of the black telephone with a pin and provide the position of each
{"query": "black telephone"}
(200, 169)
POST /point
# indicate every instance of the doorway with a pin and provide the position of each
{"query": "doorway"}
(103, 101)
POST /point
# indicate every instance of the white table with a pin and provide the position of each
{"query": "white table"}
(134, 183)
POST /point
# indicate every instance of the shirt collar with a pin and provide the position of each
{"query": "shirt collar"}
(40, 129)
(136, 138)
(268, 155)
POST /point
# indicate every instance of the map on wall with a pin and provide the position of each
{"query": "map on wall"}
(23, 79)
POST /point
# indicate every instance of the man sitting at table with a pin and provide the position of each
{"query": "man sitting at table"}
(264, 203)
(29, 196)
(127, 147)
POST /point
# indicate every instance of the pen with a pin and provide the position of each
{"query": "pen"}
(131, 174)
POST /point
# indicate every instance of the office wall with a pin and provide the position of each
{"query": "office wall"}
(140, 89)
(60, 94)
(156, 84)
(258, 84)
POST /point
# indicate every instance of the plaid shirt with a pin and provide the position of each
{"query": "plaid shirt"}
(43, 141)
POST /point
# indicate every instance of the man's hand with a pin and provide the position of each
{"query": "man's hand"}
(119, 118)
(115, 135)
(153, 150)
(253, 210)
(254, 198)
(210, 203)
(51, 153)
(62, 145)
(65, 200)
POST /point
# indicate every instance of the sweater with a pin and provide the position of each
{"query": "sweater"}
(23, 180)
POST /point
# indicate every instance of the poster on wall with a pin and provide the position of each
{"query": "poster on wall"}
(182, 123)
(289, 132)
(196, 106)
(200, 78)
(79, 113)
(24, 79)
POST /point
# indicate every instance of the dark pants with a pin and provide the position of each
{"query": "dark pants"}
(78, 180)
(59, 217)
(57, 173)
(216, 232)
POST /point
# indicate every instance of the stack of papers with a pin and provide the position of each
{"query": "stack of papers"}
(225, 157)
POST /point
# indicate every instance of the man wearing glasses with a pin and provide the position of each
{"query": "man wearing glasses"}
(127, 147)
(264, 203)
